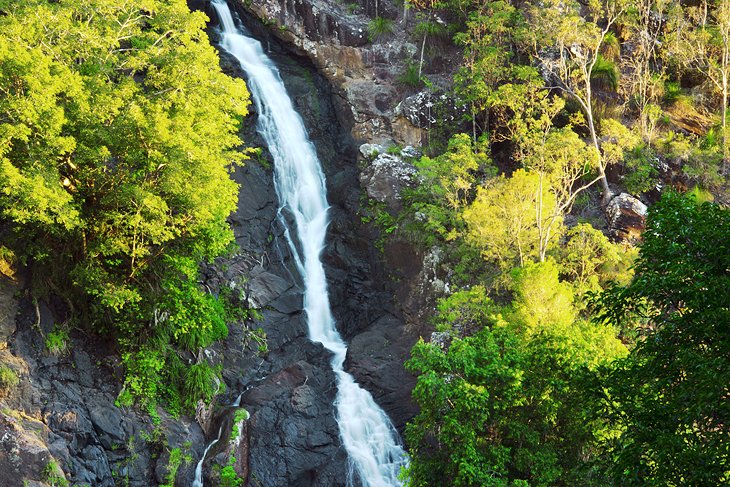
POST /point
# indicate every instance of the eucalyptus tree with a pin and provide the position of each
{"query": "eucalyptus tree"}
(557, 156)
(567, 39)
(645, 70)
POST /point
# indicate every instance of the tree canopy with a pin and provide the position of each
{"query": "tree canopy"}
(117, 134)
(670, 396)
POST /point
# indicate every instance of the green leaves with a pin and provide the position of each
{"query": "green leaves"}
(501, 391)
(117, 134)
(502, 219)
(670, 395)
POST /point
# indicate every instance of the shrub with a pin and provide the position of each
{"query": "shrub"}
(410, 76)
(53, 475)
(201, 382)
(57, 342)
(642, 175)
(379, 27)
(229, 478)
(8, 379)
(176, 458)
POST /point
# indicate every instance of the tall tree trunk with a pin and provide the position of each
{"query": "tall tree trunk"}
(420, 62)
(724, 123)
(606, 196)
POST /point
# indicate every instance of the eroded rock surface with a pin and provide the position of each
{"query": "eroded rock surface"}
(626, 217)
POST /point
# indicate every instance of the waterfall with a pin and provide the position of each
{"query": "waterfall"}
(372, 444)
(198, 482)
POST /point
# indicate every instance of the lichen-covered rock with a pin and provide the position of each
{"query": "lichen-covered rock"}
(386, 176)
(425, 109)
(24, 455)
(626, 217)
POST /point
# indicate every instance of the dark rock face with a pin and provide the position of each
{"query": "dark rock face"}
(375, 358)
(63, 411)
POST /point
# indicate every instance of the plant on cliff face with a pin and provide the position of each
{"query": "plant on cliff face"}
(229, 477)
(8, 379)
(379, 27)
(173, 465)
(57, 341)
(53, 475)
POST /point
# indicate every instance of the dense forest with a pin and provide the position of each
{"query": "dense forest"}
(117, 127)
(563, 357)
(563, 354)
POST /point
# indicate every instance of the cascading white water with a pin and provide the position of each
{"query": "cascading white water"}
(367, 434)
(198, 481)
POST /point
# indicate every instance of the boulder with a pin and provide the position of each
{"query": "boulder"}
(427, 108)
(626, 217)
(386, 176)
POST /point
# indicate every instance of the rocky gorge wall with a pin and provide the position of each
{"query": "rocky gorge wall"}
(61, 420)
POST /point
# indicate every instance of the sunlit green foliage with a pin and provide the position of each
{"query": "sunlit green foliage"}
(117, 133)
(8, 379)
(669, 397)
(501, 406)
(505, 217)
(590, 261)
(447, 183)
(519, 386)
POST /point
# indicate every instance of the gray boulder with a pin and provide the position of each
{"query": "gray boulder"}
(386, 176)
(626, 217)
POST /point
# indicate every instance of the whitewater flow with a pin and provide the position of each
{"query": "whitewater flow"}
(372, 443)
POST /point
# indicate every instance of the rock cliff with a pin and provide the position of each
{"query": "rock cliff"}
(60, 421)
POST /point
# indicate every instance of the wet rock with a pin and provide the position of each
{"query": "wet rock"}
(626, 217)
(375, 359)
(264, 287)
(304, 449)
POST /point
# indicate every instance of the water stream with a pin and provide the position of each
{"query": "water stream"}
(372, 444)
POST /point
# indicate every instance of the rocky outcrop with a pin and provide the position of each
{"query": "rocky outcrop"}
(626, 217)
(386, 174)
(365, 75)
(61, 420)
(426, 109)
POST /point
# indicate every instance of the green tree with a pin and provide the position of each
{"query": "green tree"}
(447, 185)
(701, 42)
(117, 134)
(567, 41)
(590, 261)
(557, 155)
(507, 217)
(669, 397)
(488, 49)
(503, 405)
